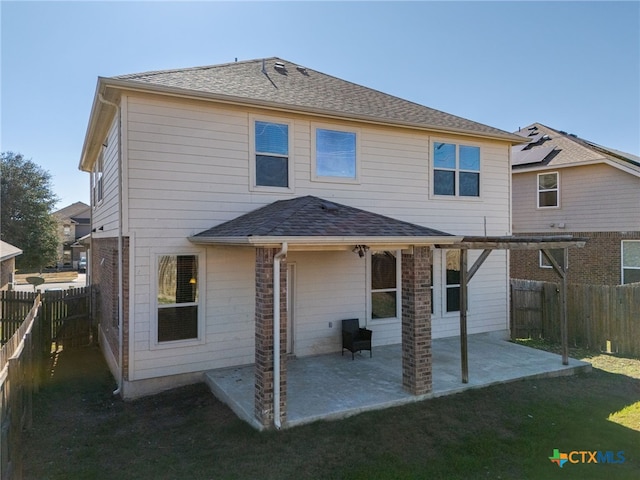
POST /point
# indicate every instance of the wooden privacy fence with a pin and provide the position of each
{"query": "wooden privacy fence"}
(31, 324)
(602, 317)
(65, 314)
(21, 367)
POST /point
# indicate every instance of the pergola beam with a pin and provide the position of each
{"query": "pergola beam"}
(487, 245)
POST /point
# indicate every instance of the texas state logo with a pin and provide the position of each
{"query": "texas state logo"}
(586, 456)
(559, 458)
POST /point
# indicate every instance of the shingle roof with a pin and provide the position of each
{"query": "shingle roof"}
(310, 216)
(553, 148)
(282, 83)
(77, 209)
(8, 251)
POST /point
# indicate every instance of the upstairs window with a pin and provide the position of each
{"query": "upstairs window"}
(177, 297)
(271, 154)
(456, 170)
(548, 190)
(97, 179)
(335, 155)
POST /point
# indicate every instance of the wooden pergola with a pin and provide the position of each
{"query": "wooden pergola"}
(487, 245)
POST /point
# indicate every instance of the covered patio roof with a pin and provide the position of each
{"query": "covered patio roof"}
(312, 222)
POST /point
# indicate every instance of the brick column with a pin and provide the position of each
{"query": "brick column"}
(264, 378)
(416, 321)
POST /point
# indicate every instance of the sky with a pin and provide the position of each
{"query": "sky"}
(573, 66)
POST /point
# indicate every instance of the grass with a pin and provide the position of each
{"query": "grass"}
(81, 431)
(54, 277)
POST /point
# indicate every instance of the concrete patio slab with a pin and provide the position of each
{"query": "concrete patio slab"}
(328, 387)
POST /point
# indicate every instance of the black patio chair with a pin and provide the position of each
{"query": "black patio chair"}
(354, 338)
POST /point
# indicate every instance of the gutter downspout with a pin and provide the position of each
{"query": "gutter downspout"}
(118, 390)
(276, 334)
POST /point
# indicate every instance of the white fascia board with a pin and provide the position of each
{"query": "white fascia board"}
(98, 126)
(306, 242)
(599, 161)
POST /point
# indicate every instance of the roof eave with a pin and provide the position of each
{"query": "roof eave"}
(100, 120)
(550, 166)
(305, 241)
(132, 85)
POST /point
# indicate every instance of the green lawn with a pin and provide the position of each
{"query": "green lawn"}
(504, 432)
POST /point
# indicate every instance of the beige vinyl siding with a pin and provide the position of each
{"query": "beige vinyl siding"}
(188, 170)
(329, 287)
(105, 213)
(593, 198)
(487, 308)
(228, 316)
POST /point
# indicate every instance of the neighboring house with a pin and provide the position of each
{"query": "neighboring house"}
(563, 184)
(74, 222)
(8, 254)
(209, 184)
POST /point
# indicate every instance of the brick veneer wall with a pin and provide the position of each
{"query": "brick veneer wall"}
(104, 277)
(598, 263)
(264, 378)
(416, 321)
(6, 270)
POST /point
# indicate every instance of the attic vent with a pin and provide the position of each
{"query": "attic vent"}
(329, 207)
(279, 66)
(301, 69)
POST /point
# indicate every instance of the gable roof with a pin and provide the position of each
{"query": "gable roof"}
(549, 148)
(311, 220)
(8, 251)
(75, 211)
(279, 84)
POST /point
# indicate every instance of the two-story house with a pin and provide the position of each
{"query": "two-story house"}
(74, 222)
(563, 184)
(233, 198)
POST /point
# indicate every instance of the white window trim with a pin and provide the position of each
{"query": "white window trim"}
(542, 259)
(154, 344)
(252, 155)
(538, 191)
(398, 317)
(330, 179)
(98, 180)
(622, 267)
(457, 197)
